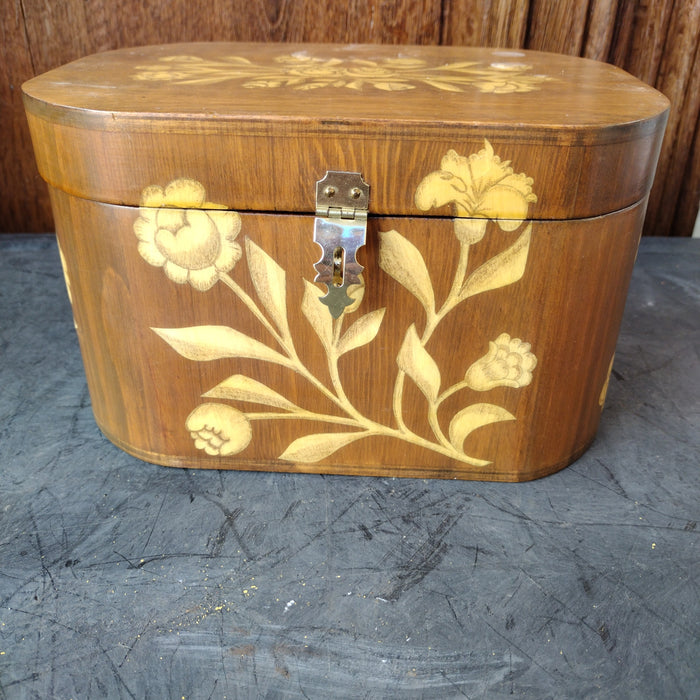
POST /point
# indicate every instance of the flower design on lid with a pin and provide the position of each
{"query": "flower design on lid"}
(303, 71)
(480, 185)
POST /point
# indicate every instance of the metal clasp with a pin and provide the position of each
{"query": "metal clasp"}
(340, 228)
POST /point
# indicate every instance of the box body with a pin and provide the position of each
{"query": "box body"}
(501, 235)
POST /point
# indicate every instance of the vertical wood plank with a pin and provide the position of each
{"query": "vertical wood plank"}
(363, 21)
(557, 26)
(56, 30)
(599, 31)
(24, 205)
(689, 199)
(641, 37)
(501, 23)
(679, 80)
(94, 26)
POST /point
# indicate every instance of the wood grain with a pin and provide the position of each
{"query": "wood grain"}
(638, 37)
(690, 189)
(577, 276)
(678, 78)
(642, 37)
(499, 23)
(556, 26)
(575, 125)
(24, 205)
(495, 266)
(600, 29)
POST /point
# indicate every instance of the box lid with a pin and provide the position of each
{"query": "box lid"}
(258, 124)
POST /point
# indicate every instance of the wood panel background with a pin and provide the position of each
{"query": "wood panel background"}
(655, 40)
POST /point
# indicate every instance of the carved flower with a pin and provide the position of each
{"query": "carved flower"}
(219, 429)
(310, 66)
(508, 362)
(369, 71)
(479, 186)
(470, 231)
(191, 239)
(505, 85)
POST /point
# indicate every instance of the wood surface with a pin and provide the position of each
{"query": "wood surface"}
(162, 359)
(507, 195)
(657, 42)
(108, 126)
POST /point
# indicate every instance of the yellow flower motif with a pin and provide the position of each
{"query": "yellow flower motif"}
(218, 429)
(508, 362)
(604, 390)
(479, 186)
(301, 71)
(470, 231)
(64, 266)
(191, 239)
(505, 85)
(503, 78)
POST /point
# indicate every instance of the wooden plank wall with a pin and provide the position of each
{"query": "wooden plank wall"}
(656, 40)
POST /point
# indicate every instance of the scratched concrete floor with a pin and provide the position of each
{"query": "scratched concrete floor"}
(119, 579)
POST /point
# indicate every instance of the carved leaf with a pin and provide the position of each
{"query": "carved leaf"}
(364, 62)
(399, 258)
(393, 86)
(317, 314)
(473, 417)
(361, 332)
(241, 388)
(202, 343)
(442, 85)
(270, 283)
(314, 86)
(501, 270)
(415, 361)
(312, 448)
(235, 59)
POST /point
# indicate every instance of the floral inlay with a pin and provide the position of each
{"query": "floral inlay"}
(66, 277)
(301, 71)
(606, 383)
(219, 429)
(197, 246)
(190, 244)
(479, 186)
(508, 362)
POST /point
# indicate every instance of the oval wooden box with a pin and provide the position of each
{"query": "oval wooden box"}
(507, 196)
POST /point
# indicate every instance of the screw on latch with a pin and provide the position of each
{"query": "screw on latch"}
(330, 191)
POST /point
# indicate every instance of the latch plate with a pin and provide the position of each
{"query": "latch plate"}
(340, 228)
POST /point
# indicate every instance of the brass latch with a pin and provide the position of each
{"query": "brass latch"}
(340, 228)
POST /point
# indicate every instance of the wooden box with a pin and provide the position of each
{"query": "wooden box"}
(474, 334)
